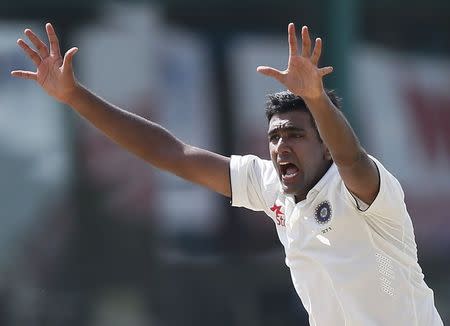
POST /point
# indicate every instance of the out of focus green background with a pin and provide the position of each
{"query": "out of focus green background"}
(90, 235)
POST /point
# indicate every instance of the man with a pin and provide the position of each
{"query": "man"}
(339, 213)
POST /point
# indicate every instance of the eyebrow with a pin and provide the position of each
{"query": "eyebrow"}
(285, 128)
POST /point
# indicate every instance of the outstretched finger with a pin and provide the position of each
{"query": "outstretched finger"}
(53, 40)
(306, 42)
(272, 72)
(24, 74)
(325, 71)
(292, 39)
(34, 56)
(317, 51)
(40, 46)
(68, 58)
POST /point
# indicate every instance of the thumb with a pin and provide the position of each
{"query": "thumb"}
(68, 58)
(271, 72)
(325, 71)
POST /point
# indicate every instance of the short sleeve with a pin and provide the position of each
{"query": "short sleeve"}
(251, 180)
(390, 200)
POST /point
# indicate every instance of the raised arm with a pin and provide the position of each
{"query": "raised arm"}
(142, 137)
(303, 77)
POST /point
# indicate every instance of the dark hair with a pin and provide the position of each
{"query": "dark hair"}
(286, 101)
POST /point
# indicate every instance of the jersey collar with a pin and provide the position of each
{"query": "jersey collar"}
(332, 170)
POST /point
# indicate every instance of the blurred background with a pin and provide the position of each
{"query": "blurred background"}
(90, 235)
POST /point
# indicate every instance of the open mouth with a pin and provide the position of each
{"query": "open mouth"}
(288, 171)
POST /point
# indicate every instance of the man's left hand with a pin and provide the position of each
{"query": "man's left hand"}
(302, 77)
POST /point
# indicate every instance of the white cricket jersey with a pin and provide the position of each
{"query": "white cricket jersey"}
(349, 267)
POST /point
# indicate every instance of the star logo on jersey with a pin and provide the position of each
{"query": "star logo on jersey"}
(323, 212)
(279, 215)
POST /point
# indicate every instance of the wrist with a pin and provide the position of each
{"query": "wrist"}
(316, 98)
(72, 94)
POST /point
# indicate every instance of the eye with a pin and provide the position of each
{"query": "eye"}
(274, 138)
(296, 135)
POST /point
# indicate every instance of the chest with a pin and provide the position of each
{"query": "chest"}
(322, 229)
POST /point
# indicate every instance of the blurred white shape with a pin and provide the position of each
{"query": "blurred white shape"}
(249, 88)
(324, 240)
(187, 108)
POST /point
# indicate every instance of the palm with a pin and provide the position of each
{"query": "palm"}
(302, 76)
(54, 73)
(49, 73)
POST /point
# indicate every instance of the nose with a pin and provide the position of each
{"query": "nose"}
(283, 145)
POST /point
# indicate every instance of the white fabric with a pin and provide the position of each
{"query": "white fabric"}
(358, 267)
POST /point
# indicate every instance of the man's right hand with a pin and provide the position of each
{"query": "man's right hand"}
(54, 73)
(140, 136)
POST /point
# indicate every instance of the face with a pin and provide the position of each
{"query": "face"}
(297, 153)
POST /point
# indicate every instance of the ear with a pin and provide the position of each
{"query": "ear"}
(327, 154)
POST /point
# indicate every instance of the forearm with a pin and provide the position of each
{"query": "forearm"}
(142, 137)
(335, 131)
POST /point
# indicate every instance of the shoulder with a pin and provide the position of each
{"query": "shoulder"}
(389, 201)
(248, 165)
(384, 173)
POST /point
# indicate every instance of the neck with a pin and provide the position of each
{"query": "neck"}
(304, 192)
(298, 198)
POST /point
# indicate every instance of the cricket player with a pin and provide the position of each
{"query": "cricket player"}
(340, 215)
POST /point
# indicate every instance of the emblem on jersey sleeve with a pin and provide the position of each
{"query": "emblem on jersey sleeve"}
(323, 212)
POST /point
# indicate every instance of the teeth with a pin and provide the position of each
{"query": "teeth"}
(291, 171)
